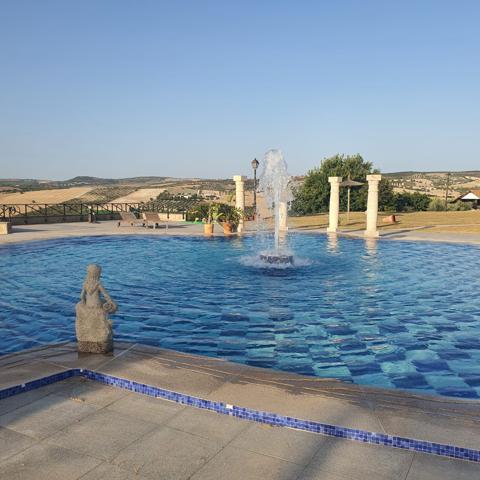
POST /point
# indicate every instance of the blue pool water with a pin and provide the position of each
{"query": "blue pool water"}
(389, 314)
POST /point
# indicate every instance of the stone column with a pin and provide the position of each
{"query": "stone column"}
(282, 216)
(334, 208)
(239, 197)
(372, 205)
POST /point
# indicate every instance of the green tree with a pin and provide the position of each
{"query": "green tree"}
(411, 202)
(314, 195)
(386, 196)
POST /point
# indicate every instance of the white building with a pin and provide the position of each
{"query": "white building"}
(472, 196)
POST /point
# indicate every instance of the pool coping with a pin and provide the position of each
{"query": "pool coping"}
(264, 417)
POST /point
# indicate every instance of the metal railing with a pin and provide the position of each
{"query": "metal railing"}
(26, 213)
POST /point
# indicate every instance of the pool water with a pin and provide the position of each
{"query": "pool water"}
(388, 314)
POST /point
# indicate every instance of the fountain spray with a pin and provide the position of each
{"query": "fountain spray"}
(275, 185)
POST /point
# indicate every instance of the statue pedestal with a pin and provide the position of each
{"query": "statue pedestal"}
(94, 330)
(95, 347)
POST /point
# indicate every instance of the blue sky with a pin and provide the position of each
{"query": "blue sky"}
(179, 88)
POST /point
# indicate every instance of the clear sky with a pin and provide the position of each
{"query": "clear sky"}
(198, 88)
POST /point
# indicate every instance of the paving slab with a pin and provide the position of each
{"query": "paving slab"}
(290, 445)
(106, 471)
(147, 409)
(45, 416)
(348, 413)
(24, 370)
(430, 467)
(34, 353)
(68, 357)
(356, 460)
(434, 427)
(211, 425)
(147, 369)
(12, 442)
(12, 403)
(83, 390)
(246, 374)
(167, 453)
(102, 435)
(316, 473)
(237, 464)
(46, 462)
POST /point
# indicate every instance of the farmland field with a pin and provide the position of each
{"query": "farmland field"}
(141, 195)
(58, 195)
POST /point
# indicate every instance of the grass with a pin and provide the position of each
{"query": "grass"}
(435, 222)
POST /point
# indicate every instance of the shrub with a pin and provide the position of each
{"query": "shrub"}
(411, 202)
(460, 206)
(437, 205)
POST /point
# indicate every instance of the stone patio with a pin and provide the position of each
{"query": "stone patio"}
(82, 429)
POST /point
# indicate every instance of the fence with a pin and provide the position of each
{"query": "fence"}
(34, 213)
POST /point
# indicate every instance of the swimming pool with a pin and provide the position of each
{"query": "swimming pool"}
(389, 314)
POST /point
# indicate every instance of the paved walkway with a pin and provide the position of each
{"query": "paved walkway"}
(419, 234)
(79, 429)
(26, 233)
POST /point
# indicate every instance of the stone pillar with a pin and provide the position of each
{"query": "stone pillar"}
(239, 197)
(5, 228)
(372, 206)
(334, 208)
(282, 216)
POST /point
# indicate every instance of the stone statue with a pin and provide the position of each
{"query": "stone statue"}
(93, 328)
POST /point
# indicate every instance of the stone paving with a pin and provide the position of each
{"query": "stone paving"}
(25, 233)
(81, 429)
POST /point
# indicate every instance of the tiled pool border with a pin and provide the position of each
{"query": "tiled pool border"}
(268, 418)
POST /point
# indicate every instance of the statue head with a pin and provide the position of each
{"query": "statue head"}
(92, 281)
(94, 271)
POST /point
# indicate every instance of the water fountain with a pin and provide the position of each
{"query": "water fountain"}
(275, 185)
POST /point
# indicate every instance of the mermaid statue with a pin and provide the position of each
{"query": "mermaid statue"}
(93, 328)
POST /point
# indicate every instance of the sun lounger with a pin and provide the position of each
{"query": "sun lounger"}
(152, 219)
(129, 218)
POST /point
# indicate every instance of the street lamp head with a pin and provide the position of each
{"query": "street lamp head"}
(255, 163)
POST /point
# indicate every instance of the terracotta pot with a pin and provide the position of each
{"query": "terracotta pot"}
(227, 228)
(389, 219)
(208, 228)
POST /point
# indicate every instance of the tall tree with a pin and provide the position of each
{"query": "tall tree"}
(313, 196)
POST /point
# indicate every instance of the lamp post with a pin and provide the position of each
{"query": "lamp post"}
(255, 164)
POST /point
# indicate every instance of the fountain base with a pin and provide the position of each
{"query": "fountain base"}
(276, 258)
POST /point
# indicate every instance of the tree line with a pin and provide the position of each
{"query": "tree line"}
(313, 196)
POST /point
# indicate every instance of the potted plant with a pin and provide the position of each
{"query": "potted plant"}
(232, 217)
(212, 217)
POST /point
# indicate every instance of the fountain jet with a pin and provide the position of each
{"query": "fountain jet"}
(275, 185)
